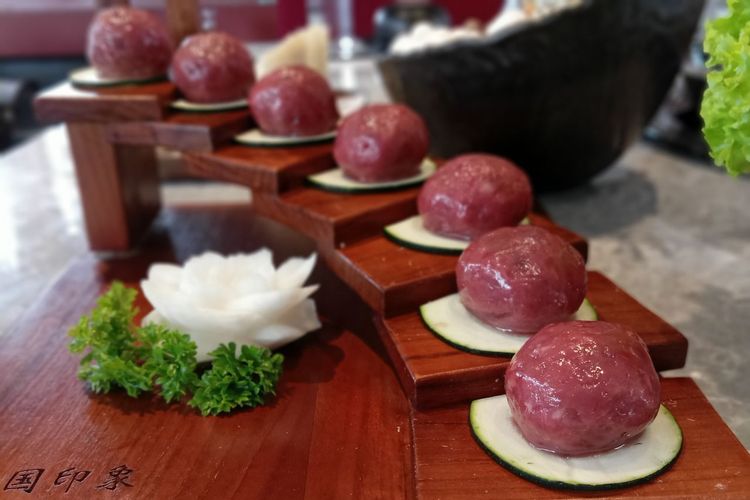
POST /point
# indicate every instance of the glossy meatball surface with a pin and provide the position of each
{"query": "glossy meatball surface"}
(381, 142)
(212, 67)
(582, 387)
(521, 278)
(473, 194)
(125, 43)
(293, 101)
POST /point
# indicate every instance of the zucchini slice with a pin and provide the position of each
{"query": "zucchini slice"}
(89, 77)
(335, 180)
(207, 107)
(256, 137)
(647, 456)
(452, 323)
(411, 233)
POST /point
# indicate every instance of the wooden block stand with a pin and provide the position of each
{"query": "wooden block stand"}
(113, 134)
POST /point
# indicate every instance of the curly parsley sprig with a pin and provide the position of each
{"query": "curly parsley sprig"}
(237, 381)
(726, 102)
(156, 358)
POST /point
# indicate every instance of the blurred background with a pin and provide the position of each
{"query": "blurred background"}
(42, 40)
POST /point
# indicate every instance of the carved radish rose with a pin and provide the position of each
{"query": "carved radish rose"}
(240, 298)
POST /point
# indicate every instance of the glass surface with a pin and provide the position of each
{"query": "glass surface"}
(338, 15)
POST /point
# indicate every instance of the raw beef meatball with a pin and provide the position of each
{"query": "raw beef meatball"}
(473, 194)
(128, 43)
(212, 67)
(381, 142)
(294, 101)
(582, 387)
(521, 278)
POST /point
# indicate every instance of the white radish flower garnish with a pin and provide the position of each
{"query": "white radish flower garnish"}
(239, 298)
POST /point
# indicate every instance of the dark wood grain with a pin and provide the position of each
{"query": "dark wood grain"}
(268, 170)
(119, 187)
(713, 464)
(339, 427)
(183, 131)
(393, 279)
(66, 103)
(434, 373)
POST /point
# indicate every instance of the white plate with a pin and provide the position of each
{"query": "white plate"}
(205, 107)
(89, 77)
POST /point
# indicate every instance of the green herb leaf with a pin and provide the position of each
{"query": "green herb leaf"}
(116, 354)
(107, 336)
(726, 102)
(234, 382)
(170, 359)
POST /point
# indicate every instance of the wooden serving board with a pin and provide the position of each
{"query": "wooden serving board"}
(339, 427)
(335, 219)
(140, 115)
(67, 103)
(348, 227)
(264, 170)
(434, 373)
(183, 131)
(393, 279)
(713, 464)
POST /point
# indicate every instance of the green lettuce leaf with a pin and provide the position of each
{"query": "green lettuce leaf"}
(726, 102)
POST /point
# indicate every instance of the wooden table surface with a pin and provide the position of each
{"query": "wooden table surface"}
(340, 426)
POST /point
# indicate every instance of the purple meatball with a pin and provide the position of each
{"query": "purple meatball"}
(381, 142)
(521, 278)
(212, 67)
(473, 194)
(128, 43)
(294, 101)
(582, 387)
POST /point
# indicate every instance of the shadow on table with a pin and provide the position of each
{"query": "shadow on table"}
(611, 202)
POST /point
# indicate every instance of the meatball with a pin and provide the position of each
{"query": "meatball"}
(582, 387)
(521, 278)
(381, 142)
(128, 43)
(473, 194)
(294, 101)
(212, 67)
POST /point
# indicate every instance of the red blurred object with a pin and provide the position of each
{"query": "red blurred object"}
(33, 28)
(292, 14)
(44, 28)
(460, 11)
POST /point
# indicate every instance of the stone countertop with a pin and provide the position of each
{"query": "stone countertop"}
(675, 234)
